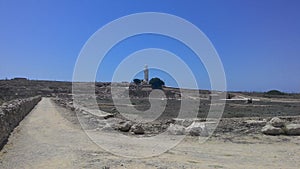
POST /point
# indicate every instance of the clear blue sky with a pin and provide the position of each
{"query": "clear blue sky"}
(258, 41)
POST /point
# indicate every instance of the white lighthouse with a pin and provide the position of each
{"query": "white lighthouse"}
(146, 74)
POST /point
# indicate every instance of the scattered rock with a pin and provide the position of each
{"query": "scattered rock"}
(100, 114)
(106, 116)
(84, 112)
(182, 122)
(176, 129)
(177, 120)
(292, 129)
(249, 101)
(113, 109)
(137, 129)
(125, 127)
(276, 122)
(271, 130)
(1, 113)
(197, 129)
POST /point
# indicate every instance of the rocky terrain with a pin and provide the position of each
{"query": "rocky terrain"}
(237, 113)
(49, 137)
(257, 120)
(23, 88)
(231, 127)
(240, 116)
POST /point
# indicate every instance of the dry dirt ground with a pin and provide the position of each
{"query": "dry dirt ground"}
(45, 139)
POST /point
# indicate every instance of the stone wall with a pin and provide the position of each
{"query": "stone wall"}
(11, 113)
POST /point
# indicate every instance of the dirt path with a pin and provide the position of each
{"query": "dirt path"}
(45, 139)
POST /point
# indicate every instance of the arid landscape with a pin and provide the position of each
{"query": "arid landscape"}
(125, 84)
(52, 135)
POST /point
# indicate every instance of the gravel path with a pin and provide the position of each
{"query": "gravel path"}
(45, 139)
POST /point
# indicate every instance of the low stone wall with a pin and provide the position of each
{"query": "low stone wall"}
(11, 113)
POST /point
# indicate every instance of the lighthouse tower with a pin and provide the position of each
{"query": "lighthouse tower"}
(146, 74)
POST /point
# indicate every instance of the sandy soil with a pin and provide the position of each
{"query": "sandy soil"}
(45, 139)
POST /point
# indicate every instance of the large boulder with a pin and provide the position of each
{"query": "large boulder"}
(276, 122)
(197, 129)
(125, 126)
(271, 130)
(137, 129)
(292, 129)
(176, 129)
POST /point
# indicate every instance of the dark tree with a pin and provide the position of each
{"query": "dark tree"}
(156, 83)
(275, 92)
(137, 81)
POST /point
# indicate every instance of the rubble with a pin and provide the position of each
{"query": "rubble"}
(176, 129)
(271, 130)
(137, 129)
(125, 126)
(197, 129)
(276, 122)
